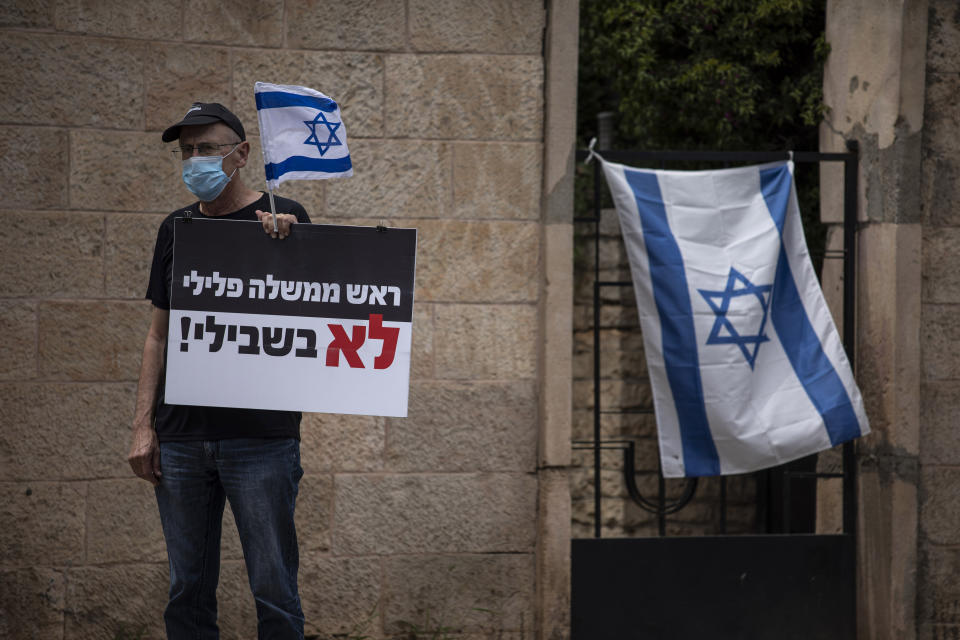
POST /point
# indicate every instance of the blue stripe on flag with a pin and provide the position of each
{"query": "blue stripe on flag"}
(799, 340)
(299, 163)
(679, 338)
(279, 99)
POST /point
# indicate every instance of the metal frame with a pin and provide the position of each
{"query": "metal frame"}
(661, 507)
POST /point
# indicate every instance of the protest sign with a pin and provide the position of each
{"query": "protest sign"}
(319, 322)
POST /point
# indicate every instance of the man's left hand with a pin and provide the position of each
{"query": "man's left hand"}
(285, 222)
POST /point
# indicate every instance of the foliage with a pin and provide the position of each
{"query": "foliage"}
(719, 75)
(704, 74)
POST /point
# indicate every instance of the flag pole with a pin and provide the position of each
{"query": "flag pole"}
(263, 152)
(273, 208)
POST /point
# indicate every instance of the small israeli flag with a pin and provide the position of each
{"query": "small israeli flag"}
(302, 135)
(746, 365)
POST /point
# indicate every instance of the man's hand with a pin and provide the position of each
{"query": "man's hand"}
(144, 457)
(285, 222)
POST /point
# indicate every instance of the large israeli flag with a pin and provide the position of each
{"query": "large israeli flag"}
(302, 135)
(746, 364)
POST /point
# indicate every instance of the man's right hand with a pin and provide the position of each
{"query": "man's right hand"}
(285, 222)
(144, 457)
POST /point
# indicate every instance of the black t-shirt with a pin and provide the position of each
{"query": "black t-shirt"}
(182, 422)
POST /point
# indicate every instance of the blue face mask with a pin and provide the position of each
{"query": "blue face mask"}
(204, 176)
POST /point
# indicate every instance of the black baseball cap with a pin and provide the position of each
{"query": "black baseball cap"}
(205, 113)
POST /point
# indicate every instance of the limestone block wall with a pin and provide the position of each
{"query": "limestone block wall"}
(938, 601)
(436, 516)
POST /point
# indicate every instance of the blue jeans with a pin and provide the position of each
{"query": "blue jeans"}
(260, 477)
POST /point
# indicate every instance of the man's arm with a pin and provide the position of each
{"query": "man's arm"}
(144, 456)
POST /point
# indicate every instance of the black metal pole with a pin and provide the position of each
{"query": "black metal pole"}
(850, 188)
(723, 505)
(596, 351)
(661, 500)
(785, 512)
(763, 500)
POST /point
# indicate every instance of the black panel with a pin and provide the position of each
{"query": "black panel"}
(313, 254)
(789, 587)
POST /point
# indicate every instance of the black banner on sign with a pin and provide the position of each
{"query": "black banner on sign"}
(326, 313)
(328, 271)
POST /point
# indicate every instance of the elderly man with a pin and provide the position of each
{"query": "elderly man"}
(197, 457)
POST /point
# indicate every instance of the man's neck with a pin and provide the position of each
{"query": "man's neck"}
(235, 196)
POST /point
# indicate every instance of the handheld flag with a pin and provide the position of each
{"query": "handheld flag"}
(746, 365)
(301, 133)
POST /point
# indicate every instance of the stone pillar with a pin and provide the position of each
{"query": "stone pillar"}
(556, 321)
(938, 592)
(874, 88)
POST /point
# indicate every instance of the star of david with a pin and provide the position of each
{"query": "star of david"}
(723, 331)
(314, 139)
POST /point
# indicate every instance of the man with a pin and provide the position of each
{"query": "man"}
(196, 457)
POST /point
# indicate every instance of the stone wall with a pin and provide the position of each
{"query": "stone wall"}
(891, 83)
(938, 601)
(438, 515)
